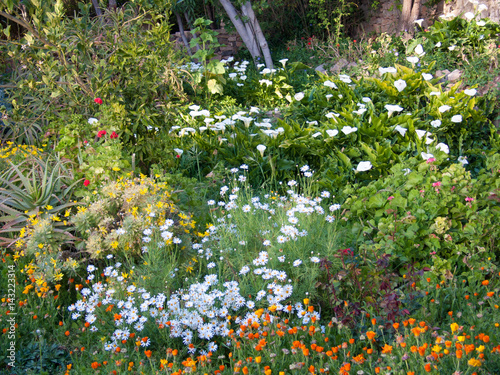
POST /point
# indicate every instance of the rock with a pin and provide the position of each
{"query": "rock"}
(442, 73)
(320, 68)
(454, 76)
(342, 63)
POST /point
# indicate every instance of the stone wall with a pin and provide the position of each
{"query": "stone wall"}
(231, 42)
(386, 17)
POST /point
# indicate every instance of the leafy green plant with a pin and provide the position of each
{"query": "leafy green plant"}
(31, 187)
(69, 62)
(128, 207)
(426, 215)
(212, 72)
(41, 358)
(460, 36)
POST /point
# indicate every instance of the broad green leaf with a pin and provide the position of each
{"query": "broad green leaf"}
(414, 179)
(6, 31)
(376, 201)
(344, 158)
(298, 66)
(398, 201)
(214, 87)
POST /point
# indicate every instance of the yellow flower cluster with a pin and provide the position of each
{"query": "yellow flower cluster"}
(12, 149)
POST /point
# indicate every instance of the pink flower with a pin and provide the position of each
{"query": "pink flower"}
(101, 133)
(468, 199)
(98, 101)
(430, 160)
(113, 135)
(86, 183)
(390, 198)
(436, 184)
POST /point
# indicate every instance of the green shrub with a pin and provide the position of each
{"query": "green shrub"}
(127, 61)
(332, 126)
(429, 214)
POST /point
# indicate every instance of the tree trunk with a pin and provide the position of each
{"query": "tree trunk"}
(259, 35)
(410, 12)
(112, 5)
(251, 33)
(188, 20)
(183, 35)
(415, 12)
(248, 37)
(96, 7)
(209, 12)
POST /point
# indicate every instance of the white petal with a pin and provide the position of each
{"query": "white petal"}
(400, 85)
(364, 166)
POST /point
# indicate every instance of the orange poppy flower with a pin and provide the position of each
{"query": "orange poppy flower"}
(370, 335)
(386, 349)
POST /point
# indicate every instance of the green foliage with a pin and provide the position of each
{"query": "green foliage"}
(211, 76)
(382, 120)
(332, 18)
(117, 217)
(32, 187)
(95, 144)
(55, 82)
(41, 358)
(458, 36)
(428, 215)
(419, 238)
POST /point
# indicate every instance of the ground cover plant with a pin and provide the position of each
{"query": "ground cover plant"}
(220, 217)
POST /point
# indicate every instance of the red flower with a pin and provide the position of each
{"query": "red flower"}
(86, 183)
(354, 40)
(113, 135)
(177, 156)
(98, 100)
(347, 251)
(101, 133)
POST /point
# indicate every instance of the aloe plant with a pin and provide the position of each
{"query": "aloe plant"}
(30, 186)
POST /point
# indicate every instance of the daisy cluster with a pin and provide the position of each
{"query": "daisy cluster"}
(202, 310)
(132, 313)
